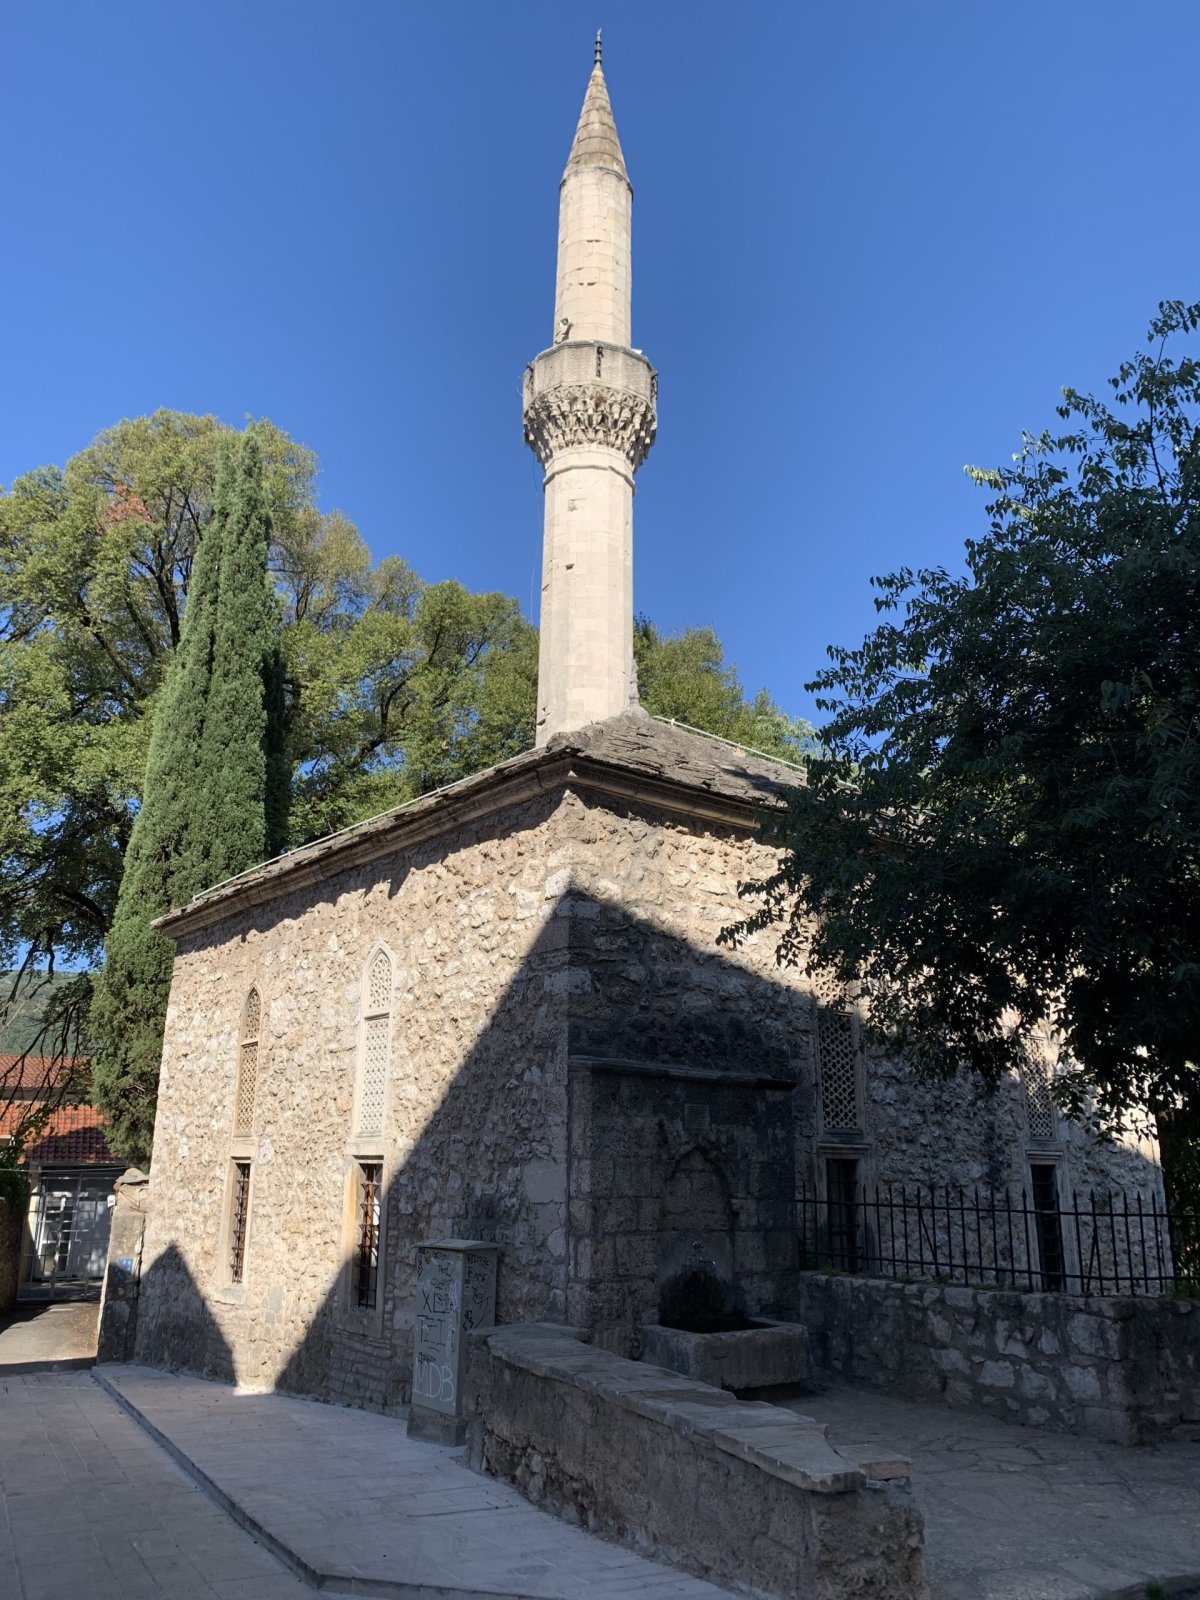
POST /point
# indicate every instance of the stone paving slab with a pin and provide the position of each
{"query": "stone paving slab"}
(349, 1500)
(1023, 1514)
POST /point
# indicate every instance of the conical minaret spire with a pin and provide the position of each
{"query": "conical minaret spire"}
(589, 416)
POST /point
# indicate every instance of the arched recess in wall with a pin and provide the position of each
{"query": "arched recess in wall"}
(247, 1064)
(695, 1219)
(375, 1043)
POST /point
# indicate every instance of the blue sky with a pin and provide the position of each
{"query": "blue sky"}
(871, 242)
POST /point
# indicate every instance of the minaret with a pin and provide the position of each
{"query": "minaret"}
(589, 418)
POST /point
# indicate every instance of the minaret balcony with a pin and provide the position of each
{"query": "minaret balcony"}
(581, 394)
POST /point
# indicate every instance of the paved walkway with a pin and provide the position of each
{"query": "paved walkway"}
(346, 1495)
(92, 1509)
(37, 1334)
(1023, 1514)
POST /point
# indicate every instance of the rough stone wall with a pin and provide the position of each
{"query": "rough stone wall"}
(953, 1132)
(564, 1026)
(748, 1495)
(475, 1130)
(1124, 1369)
(686, 1063)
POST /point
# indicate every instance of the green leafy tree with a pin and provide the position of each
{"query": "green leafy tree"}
(1002, 835)
(391, 686)
(96, 561)
(685, 676)
(212, 804)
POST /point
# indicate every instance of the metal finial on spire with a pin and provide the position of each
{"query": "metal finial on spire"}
(598, 47)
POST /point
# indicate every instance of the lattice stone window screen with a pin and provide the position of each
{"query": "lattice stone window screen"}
(243, 1108)
(1039, 1103)
(839, 1070)
(377, 1028)
(379, 985)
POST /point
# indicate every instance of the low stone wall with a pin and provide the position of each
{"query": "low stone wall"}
(743, 1493)
(12, 1220)
(1124, 1369)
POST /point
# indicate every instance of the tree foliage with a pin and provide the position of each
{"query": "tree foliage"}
(1003, 833)
(685, 676)
(215, 800)
(391, 687)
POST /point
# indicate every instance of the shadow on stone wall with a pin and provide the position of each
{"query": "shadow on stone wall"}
(184, 1333)
(616, 1055)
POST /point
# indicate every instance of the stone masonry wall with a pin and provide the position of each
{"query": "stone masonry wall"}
(475, 1126)
(748, 1496)
(687, 1061)
(563, 939)
(1125, 1369)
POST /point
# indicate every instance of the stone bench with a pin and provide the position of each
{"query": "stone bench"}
(743, 1493)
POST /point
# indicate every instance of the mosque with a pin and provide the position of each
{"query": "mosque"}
(500, 1012)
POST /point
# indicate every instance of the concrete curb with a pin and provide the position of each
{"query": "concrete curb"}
(325, 1582)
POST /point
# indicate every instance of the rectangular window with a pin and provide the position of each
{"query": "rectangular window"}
(238, 1217)
(1043, 1180)
(841, 1191)
(364, 1263)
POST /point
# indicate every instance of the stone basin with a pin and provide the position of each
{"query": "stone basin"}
(765, 1355)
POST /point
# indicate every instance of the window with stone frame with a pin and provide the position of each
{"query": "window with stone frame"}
(239, 1220)
(364, 1259)
(837, 1055)
(376, 1046)
(247, 1065)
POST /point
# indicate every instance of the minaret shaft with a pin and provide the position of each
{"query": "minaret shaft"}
(594, 286)
(589, 416)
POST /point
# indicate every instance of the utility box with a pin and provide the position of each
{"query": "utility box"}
(456, 1293)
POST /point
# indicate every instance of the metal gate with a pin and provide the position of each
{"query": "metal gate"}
(70, 1224)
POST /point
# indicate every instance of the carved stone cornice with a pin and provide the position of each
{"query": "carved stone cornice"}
(570, 415)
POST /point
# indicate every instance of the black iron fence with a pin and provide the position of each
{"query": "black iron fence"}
(1102, 1242)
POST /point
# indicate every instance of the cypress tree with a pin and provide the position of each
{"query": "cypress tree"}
(215, 797)
(244, 781)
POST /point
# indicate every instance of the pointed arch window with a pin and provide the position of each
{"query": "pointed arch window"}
(247, 1074)
(376, 1044)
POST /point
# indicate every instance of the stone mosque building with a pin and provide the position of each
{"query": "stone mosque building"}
(500, 1012)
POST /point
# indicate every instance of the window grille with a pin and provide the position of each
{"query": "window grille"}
(1043, 1182)
(839, 1070)
(365, 1262)
(377, 1027)
(1039, 1103)
(841, 1198)
(239, 1216)
(243, 1109)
